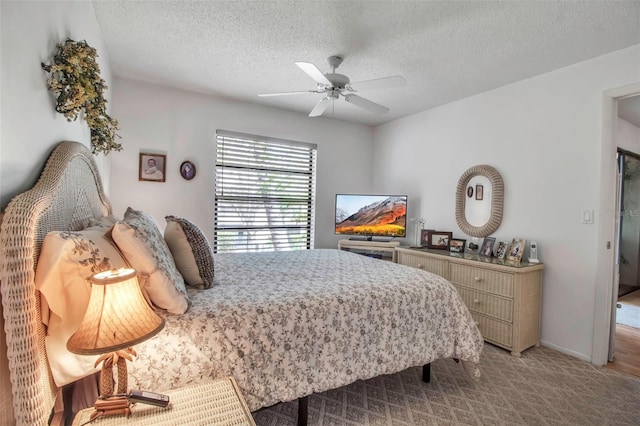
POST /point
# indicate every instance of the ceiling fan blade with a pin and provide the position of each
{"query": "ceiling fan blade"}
(313, 72)
(366, 104)
(380, 83)
(320, 107)
(302, 92)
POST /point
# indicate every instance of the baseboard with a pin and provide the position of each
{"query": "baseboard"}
(566, 351)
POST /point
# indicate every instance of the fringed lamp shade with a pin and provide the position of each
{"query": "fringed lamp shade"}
(117, 317)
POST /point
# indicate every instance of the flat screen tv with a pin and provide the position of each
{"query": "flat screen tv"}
(371, 215)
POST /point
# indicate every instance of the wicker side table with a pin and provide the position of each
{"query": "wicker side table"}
(218, 402)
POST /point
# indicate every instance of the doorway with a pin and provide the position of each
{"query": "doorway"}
(606, 275)
(625, 329)
(629, 237)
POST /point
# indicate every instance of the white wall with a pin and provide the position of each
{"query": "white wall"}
(183, 126)
(543, 135)
(29, 125)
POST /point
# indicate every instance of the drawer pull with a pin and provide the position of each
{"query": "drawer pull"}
(476, 279)
(476, 301)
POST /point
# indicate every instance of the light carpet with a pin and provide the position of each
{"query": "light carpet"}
(543, 387)
(628, 315)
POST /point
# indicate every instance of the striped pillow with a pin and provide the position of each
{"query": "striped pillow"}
(191, 251)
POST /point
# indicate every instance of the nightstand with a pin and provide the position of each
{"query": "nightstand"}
(218, 402)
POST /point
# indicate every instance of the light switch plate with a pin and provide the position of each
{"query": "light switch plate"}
(587, 216)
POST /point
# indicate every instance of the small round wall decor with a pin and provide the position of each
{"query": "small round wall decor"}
(187, 170)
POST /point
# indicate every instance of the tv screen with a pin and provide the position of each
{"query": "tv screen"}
(371, 215)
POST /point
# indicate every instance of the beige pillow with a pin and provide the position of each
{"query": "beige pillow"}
(141, 242)
(191, 251)
(67, 262)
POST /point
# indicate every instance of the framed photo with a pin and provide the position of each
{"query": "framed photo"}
(487, 246)
(501, 250)
(424, 237)
(439, 240)
(187, 170)
(516, 249)
(456, 245)
(479, 192)
(152, 167)
(470, 191)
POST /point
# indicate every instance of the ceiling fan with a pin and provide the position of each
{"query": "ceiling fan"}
(336, 85)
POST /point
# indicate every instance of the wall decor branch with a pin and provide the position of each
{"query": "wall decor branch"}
(75, 79)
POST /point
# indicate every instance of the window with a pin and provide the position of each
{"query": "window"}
(265, 194)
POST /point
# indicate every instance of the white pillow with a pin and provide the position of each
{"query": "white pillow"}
(67, 261)
(141, 242)
(191, 251)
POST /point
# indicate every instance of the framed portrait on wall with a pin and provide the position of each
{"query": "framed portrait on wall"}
(152, 167)
(187, 170)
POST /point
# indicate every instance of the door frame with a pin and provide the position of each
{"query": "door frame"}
(604, 288)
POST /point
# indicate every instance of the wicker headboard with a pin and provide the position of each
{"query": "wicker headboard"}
(68, 193)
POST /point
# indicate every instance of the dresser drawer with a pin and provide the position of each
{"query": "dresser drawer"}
(482, 279)
(487, 303)
(494, 330)
(436, 266)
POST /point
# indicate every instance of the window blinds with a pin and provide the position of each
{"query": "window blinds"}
(264, 193)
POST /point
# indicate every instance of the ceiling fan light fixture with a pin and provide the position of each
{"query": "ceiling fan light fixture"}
(335, 85)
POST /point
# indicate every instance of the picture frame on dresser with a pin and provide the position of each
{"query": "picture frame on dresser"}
(487, 247)
(516, 250)
(439, 240)
(425, 237)
(456, 245)
(501, 250)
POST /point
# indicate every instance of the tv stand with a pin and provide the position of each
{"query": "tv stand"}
(385, 250)
(361, 238)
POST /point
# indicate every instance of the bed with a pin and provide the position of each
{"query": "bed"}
(284, 325)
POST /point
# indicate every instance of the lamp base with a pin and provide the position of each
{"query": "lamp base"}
(111, 406)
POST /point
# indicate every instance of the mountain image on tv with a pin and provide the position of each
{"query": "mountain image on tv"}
(380, 216)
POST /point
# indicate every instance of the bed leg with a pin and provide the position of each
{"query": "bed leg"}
(426, 373)
(303, 411)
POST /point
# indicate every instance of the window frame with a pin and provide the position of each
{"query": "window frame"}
(262, 157)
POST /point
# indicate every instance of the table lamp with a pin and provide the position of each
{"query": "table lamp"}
(117, 317)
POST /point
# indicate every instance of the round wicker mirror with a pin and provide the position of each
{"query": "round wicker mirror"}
(479, 198)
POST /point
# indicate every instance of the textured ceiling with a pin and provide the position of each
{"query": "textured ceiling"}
(445, 50)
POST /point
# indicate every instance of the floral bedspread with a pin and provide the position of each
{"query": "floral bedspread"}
(288, 324)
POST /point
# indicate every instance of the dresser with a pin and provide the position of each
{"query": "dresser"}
(503, 297)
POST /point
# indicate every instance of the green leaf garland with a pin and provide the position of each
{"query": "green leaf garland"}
(75, 79)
